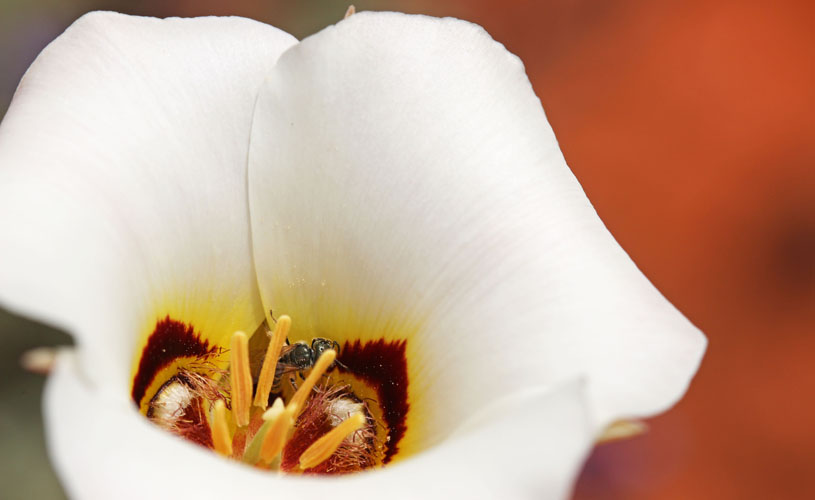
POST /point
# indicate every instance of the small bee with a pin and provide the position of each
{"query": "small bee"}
(299, 357)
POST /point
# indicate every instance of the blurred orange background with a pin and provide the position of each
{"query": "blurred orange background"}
(690, 125)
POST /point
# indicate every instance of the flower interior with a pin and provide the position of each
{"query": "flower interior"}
(314, 408)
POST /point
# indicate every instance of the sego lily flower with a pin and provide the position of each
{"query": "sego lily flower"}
(391, 186)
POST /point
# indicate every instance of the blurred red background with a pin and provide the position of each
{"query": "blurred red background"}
(690, 125)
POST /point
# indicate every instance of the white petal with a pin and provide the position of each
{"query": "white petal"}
(403, 177)
(530, 444)
(123, 180)
(106, 450)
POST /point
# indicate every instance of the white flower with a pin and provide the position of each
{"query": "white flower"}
(403, 184)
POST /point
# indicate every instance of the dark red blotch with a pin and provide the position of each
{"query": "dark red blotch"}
(169, 341)
(383, 366)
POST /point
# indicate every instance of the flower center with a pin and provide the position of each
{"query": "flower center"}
(292, 415)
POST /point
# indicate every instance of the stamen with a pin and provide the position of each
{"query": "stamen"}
(280, 422)
(320, 367)
(221, 439)
(267, 371)
(240, 379)
(322, 449)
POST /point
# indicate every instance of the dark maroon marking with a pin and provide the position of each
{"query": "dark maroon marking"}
(169, 341)
(383, 366)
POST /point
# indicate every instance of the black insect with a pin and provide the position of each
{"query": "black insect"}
(299, 357)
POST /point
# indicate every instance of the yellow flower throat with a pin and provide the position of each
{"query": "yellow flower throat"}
(349, 420)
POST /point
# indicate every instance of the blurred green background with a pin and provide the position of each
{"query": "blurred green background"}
(690, 126)
(24, 468)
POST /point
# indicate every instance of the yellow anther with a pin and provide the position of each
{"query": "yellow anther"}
(281, 422)
(240, 379)
(267, 371)
(322, 449)
(221, 439)
(320, 367)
